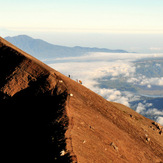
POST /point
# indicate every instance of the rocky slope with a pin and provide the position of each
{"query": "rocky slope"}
(46, 115)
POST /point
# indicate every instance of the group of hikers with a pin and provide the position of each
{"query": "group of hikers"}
(78, 81)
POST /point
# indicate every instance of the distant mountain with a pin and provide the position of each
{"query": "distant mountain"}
(42, 49)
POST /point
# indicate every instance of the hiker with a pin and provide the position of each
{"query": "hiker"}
(69, 76)
(80, 81)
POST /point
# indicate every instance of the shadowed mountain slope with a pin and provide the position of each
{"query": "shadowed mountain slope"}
(46, 115)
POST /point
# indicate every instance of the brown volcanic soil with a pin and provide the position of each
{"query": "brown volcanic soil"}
(48, 116)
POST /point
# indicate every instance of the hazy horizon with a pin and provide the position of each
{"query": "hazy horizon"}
(138, 43)
(133, 26)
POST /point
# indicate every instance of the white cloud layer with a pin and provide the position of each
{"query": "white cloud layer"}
(93, 66)
(144, 81)
(113, 95)
(109, 57)
(89, 72)
(140, 108)
(160, 120)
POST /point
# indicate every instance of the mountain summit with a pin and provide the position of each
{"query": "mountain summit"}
(46, 115)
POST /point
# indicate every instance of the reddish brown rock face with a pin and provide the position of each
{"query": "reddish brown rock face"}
(49, 116)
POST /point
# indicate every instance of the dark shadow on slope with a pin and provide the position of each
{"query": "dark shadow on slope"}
(35, 122)
(9, 59)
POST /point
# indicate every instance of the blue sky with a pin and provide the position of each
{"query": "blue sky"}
(80, 16)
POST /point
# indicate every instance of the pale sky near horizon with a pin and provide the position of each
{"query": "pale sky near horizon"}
(81, 16)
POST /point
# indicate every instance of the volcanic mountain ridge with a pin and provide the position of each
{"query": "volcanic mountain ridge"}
(46, 115)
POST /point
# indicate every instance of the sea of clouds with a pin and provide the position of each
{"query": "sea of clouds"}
(93, 66)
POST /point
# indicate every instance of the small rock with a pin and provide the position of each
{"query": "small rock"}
(84, 141)
(114, 146)
(148, 139)
(82, 123)
(52, 139)
(131, 116)
(62, 153)
(159, 127)
(60, 81)
(92, 128)
(71, 94)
